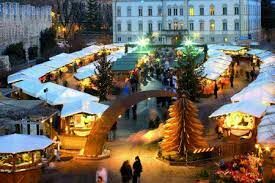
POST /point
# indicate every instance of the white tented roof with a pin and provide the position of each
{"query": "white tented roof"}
(57, 95)
(252, 108)
(19, 77)
(30, 87)
(264, 55)
(82, 106)
(260, 92)
(255, 51)
(58, 62)
(216, 66)
(85, 71)
(270, 109)
(266, 130)
(269, 59)
(37, 71)
(17, 143)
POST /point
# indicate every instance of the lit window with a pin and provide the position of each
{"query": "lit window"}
(212, 25)
(225, 39)
(175, 25)
(212, 10)
(191, 11)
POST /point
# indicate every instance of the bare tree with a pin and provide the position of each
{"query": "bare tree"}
(70, 16)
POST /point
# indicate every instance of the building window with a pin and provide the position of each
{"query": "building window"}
(140, 12)
(175, 12)
(201, 11)
(150, 11)
(175, 25)
(119, 27)
(1, 9)
(181, 12)
(160, 39)
(212, 25)
(237, 26)
(129, 27)
(119, 39)
(224, 26)
(159, 26)
(236, 10)
(169, 12)
(212, 10)
(202, 39)
(8, 9)
(191, 26)
(212, 39)
(181, 26)
(225, 39)
(129, 11)
(159, 11)
(191, 11)
(140, 27)
(118, 11)
(202, 26)
(169, 26)
(224, 10)
(129, 39)
(150, 27)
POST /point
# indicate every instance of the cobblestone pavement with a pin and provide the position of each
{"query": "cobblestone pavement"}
(154, 170)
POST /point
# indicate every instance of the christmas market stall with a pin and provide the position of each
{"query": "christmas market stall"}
(261, 90)
(215, 69)
(78, 117)
(22, 157)
(239, 119)
(229, 49)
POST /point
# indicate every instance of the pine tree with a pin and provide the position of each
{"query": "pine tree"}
(104, 77)
(93, 15)
(188, 74)
(183, 130)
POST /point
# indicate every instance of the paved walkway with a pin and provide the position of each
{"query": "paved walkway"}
(154, 170)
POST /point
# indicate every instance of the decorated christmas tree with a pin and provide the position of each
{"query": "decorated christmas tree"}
(104, 77)
(183, 131)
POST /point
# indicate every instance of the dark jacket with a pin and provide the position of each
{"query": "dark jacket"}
(137, 168)
(126, 173)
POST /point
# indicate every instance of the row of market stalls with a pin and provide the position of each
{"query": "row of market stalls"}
(215, 69)
(78, 109)
(252, 112)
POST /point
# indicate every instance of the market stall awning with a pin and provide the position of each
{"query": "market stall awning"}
(85, 71)
(30, 87)
(17, 143)
(252, 108)
(255, 52)
(270, 59)
(266, 130)
(19, 77)
(263, 92)
(59, 62)
(83, 106)
(58, 95)
(37, 71)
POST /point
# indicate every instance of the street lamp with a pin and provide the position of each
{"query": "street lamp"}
(143, 42)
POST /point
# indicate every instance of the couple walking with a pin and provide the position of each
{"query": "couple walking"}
(126, 171)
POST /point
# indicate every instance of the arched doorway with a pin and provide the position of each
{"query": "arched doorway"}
(98, 134)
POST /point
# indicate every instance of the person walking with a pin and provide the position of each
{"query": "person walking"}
(216, 90)
(137, 168)
(126, 172)
(113, 132)
(134, 109)
(232, 80)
